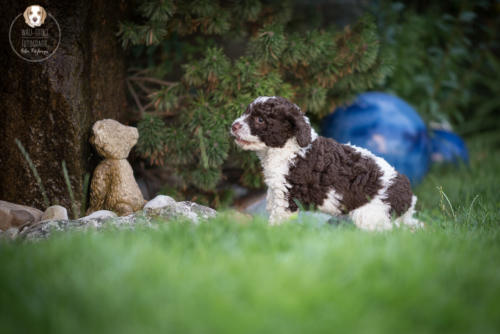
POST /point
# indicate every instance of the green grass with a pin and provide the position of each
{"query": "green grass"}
(245, 277)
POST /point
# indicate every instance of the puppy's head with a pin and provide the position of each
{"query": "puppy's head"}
(35, 15)
(271, 122)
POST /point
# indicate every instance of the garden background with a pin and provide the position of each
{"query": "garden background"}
(181, 72)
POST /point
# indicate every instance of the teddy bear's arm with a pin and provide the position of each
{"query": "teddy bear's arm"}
(99, 187)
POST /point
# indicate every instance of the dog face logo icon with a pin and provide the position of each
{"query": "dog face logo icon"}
(34, 16)
(35, 34)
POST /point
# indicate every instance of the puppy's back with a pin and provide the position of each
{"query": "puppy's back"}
(354, 175)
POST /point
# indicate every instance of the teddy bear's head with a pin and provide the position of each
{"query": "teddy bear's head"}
(112, 139)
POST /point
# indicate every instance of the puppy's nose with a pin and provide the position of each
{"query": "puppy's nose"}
(34, 19)
(236, 126)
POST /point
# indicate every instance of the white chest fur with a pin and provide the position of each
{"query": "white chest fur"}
(276, 163)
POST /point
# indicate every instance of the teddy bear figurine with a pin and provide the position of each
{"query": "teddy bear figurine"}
(113, 184)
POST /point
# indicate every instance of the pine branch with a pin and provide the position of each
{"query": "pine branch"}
(317, 69)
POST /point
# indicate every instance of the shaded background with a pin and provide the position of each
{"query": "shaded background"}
(443, 60)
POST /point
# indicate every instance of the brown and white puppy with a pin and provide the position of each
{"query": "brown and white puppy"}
(34, 16)
(300, 166)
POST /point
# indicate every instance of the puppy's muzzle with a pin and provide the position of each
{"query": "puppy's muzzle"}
(235, 127)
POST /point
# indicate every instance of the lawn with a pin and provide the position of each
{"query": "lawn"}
(241, 276)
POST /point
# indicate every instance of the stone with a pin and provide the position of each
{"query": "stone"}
(16, 215)
(5, 219)
(55, 212)
(204, 212)
(158, 202)
(101, 214)
(50, 106)
(20, 217)
(162, 207)
(45, 229)
(113, 186)
(11, 233)
(167, 208)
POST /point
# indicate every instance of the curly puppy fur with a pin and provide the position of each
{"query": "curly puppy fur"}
(301, 167)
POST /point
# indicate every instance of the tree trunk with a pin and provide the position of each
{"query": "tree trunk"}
(50, 106)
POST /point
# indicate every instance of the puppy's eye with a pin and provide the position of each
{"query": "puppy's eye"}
(260, 120)
(31, 12)
(38, 12)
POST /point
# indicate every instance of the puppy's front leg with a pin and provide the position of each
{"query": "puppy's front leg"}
(277, 207)
(279, 216)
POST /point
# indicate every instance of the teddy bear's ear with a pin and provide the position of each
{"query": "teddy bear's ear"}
(135, 133)
(96, 129)
(93, 140)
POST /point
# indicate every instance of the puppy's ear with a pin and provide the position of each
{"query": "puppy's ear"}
(25, 14)
(44, 15)
(303, 132)
(302, 129)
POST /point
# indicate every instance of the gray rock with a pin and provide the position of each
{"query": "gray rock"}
(163, 207)
(5, 219)
(55, 212)
(22, 217)
(16, 215)
(157, 203)
(201, 211)
(101, 214)
(11, 233)
(167, 208)
(45, 228)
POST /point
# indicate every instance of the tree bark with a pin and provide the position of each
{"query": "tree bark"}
(50, 106)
